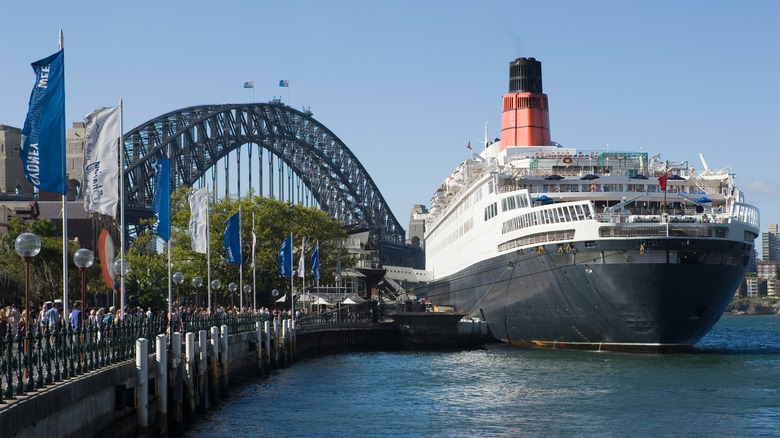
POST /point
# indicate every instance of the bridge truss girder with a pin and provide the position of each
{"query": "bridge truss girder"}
(198, 137)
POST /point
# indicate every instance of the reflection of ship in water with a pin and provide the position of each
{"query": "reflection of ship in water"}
(556, 246)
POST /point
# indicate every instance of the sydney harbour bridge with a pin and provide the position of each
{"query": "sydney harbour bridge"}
(316, 161)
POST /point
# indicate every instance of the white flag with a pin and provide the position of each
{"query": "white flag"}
(254, 242)
(199, 213)
(101, 161)
(300, 262)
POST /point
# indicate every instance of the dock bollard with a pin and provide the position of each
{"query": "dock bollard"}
(223, 339)
(203, 386)
(142, 386)
(267, 349)
(162, 385)
(177, 384)
(189, 374)
(214, 365)
(259, 348)
(276, 343)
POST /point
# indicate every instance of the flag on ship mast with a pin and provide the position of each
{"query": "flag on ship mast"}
(101, 161)
(662, 181)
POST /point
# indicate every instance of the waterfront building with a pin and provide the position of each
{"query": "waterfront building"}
(417, 226)
(770, 244)
(767, 270)
(751, 284)
(772, 287)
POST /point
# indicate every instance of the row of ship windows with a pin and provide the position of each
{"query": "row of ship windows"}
(650, 231)
(534, 239)
(562, 214)
(455, 235)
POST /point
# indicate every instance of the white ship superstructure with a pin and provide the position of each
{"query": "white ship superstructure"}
(555, 246)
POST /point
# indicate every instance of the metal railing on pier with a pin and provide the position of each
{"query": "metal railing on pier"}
(33, 360)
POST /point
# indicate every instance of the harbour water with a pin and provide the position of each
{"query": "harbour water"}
(728, 386)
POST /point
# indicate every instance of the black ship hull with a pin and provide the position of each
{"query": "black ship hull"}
(608, 295)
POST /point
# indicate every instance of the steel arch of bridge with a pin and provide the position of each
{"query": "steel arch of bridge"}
(200, 136)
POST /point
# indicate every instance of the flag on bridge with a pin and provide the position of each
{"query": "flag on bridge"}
(43, 135)
(250, 84)
(101, 161)
(285, 257)
(199, 220)
(232, 238)
(284, 83)
(161, 203)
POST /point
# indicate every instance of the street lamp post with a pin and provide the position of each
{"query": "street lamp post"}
(178, 279)
(232, 288)
(215, 284)
(275, 294)
(83, 258)
(27, 245)
(196, 283)
(121, 268)
(247, 289)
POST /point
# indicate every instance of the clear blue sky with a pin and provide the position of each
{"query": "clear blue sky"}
(407, 84)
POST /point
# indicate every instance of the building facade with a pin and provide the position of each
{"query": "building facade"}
(770, 244)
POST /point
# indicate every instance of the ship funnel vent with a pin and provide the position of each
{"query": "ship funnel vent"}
(525, 76)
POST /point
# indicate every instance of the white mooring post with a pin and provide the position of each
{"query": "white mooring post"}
(203, 387)
(223, 339)
(162, 385)
(267, 338)
(214, 364)
(142, 385)
(176, 384)
(189, 373)
(259, 347)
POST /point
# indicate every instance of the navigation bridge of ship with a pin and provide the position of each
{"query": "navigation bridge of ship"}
(304, 162)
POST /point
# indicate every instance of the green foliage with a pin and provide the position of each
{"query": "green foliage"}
(45, 268)
(274, 221)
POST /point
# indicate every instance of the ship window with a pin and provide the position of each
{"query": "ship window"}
(567, 213)
(713, 258)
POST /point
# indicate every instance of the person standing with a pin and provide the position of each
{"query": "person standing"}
(76, 319)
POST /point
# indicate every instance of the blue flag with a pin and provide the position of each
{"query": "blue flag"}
(315, 262)
(161, 204)
(284, 83)
(232, 239)
(43, 135)
(285, 257)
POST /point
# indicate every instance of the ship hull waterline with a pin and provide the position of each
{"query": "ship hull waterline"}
(615, 297)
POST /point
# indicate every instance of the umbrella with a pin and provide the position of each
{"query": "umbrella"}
(348, 301)
(554, 177)
(675, 178)
(281, 300)
(321, 302)
(589, 176)
(638, 176)
(704, 199)
(543, 198)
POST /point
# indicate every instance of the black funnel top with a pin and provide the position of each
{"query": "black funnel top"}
(525, 76)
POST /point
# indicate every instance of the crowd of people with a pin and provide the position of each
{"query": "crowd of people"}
(49, 316)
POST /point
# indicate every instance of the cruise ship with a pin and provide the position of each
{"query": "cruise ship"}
(566, 248)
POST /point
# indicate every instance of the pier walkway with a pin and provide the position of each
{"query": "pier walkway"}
(134, 379)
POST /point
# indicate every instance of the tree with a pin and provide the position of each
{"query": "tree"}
(274, 220)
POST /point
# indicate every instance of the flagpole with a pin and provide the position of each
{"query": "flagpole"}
(208, 251)
(292, 281)
(64, 205)
(254, 265)
(170, 292)
(240, 265)
(121, 207)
